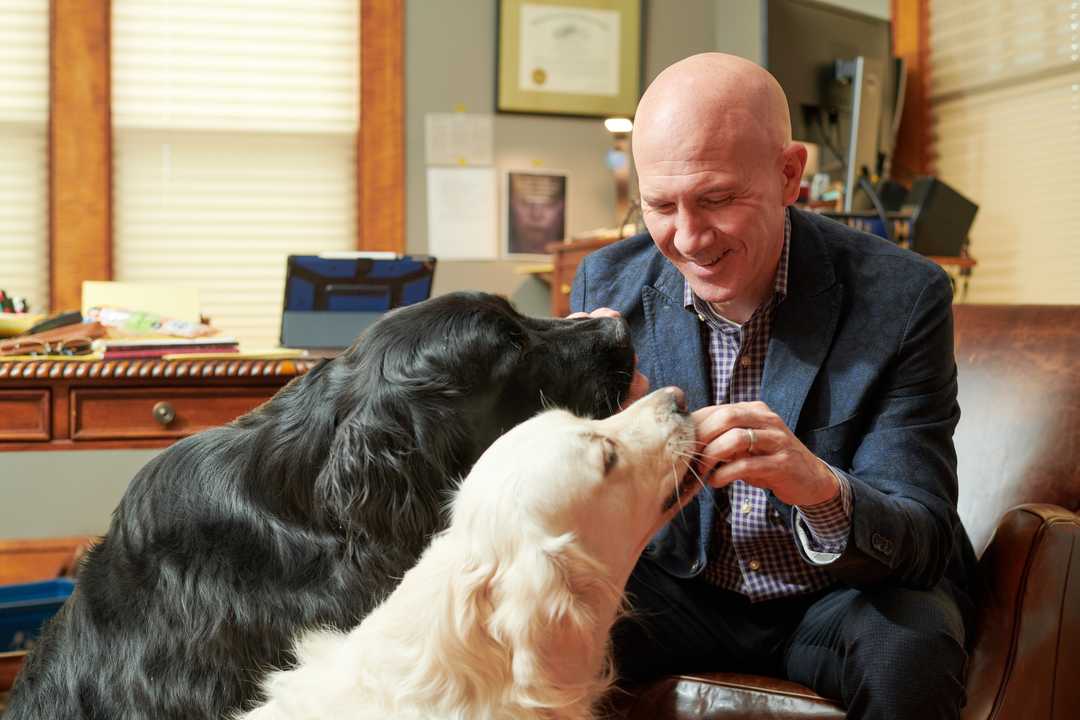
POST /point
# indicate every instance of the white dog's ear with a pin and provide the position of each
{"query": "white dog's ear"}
(470, 598)
(568, 577)
(461, 646)
(544, 601)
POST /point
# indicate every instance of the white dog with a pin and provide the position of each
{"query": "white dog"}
(507, 613)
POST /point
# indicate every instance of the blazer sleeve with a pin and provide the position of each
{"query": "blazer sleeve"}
(578, 289)
(903, 472)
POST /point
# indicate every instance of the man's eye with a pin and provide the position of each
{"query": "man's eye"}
(715, 201)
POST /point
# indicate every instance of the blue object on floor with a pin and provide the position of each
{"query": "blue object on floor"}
(876, 227)
(24, 608)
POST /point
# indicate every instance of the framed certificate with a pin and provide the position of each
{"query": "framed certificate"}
(569, 57)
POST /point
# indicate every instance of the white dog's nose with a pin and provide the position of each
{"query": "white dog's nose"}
(678, 397)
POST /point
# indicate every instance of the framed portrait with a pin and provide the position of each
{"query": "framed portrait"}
(535, 212)
(569, 57)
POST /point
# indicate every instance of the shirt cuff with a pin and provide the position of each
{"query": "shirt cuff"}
(822, 530)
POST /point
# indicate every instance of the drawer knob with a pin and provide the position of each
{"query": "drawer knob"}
(565, 289)
(164, 413)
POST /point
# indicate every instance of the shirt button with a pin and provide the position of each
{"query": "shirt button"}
(701, 317)
(745, 361)
(754, 565)
(746, 507)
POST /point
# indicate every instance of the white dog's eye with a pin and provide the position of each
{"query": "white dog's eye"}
(611, 455)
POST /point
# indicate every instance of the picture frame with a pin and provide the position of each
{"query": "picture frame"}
(534, 212)
(569, 57)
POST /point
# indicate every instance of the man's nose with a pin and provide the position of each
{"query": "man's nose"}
(692, 234)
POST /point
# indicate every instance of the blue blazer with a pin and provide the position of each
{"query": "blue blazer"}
(860, 366)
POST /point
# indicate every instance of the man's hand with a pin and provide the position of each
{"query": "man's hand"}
(639, 384)
(748, 441)
(598, 312)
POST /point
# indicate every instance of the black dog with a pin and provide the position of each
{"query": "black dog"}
(306, 511)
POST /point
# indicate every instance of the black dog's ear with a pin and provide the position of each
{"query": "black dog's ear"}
(384, 476)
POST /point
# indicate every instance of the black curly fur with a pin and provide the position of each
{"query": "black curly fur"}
(304, 512)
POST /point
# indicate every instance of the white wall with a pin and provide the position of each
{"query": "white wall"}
(48, 494)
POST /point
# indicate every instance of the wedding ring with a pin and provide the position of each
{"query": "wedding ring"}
(752, 438)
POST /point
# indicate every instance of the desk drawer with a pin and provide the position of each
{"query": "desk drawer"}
(158, 412)
(24, 414)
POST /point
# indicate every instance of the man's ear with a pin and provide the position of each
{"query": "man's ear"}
(793, 157)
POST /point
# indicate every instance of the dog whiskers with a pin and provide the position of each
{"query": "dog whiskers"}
(676, 483)
(691, 457)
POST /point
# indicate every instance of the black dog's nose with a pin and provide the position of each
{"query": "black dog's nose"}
(622, 332)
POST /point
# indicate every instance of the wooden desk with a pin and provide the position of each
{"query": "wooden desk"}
(565, 258)
(60, 405)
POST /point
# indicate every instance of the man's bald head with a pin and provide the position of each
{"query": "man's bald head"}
(707, 98)
(717, 169)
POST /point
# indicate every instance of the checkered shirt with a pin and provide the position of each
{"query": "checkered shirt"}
(752, 551)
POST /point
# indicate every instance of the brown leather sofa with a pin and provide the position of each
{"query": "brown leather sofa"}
(1018, 443)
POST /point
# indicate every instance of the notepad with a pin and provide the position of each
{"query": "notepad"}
(170, 301)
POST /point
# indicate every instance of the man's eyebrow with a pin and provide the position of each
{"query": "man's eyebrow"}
(718, 190)
(659, 197)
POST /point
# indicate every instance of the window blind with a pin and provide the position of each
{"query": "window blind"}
(234, 145)
(1005, 97)
(24, 111)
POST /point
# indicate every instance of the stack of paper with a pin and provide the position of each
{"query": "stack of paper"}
(157, 347)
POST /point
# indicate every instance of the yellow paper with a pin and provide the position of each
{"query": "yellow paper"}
(268, 354)
(90, 357)
(12, 324)
(169, 301)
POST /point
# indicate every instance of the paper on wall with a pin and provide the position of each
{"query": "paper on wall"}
(462, 205)
(459, 138)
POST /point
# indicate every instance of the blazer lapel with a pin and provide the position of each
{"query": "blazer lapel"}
(803, 329)
(803, 326)
(800, 340)
(674, 336)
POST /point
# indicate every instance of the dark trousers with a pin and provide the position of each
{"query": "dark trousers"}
(884, 653)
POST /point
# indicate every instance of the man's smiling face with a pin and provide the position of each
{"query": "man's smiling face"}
(716, 168)
(716, 220)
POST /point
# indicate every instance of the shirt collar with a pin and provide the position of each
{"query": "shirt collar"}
(780, 284)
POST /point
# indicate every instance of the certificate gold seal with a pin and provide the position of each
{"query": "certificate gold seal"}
(539, 76)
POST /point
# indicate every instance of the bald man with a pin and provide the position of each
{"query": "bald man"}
(819, 364)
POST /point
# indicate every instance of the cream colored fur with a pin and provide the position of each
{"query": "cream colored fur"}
(507, 613)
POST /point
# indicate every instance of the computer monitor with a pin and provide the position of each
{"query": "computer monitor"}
(865, 77)
(331, 298)
(844, 87)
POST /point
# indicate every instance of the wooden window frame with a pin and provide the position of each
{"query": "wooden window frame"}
(80, 141)
(914, 153)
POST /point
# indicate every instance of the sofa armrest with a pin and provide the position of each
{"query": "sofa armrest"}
(1027, 641)
(719, 696)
